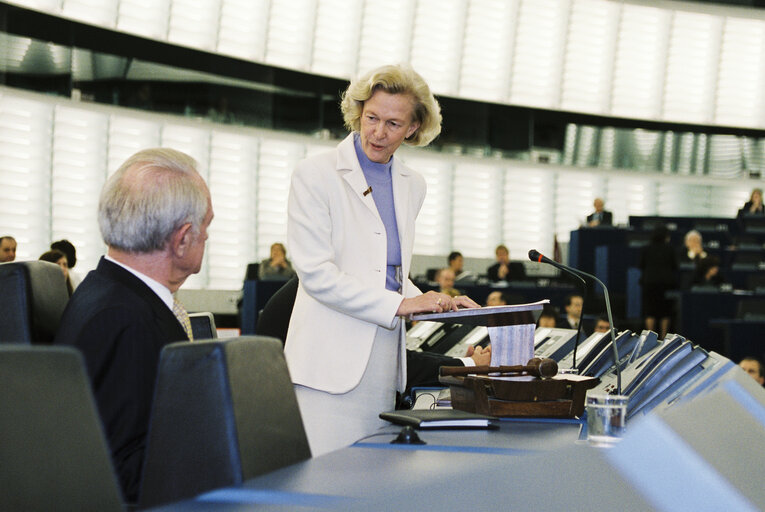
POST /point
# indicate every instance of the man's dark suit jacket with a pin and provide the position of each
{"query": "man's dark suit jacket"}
(607, 218)
(516, 272)
(120, 325)
(421, 367)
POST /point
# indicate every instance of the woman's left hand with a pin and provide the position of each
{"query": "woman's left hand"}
(434, 302)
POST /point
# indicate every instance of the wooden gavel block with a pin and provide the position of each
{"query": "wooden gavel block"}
(544, 368)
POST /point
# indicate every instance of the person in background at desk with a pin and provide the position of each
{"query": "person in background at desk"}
(350, 223)
(602, 324)
(573, 308)
(153, 212)
(445, 280)
(59, 258)
(7, 249)
(70, 252)
(456, 262)
(694, 248)
(277, 266)
(504, 269)
(754, 206)
(600, 217)
(548, 317)
(753, 367)
(658, 265)
(496, 298)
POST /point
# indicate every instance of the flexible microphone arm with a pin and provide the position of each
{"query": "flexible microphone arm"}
(540, 258)
(535, 256)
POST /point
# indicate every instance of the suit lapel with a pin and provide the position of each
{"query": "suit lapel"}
(400, 177)
(348, 166)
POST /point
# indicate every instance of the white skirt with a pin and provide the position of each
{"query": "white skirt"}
(335, 421)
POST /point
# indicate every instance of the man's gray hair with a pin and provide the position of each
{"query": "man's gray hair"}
(152, 194)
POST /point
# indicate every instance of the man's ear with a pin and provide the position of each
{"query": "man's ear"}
(181, 240)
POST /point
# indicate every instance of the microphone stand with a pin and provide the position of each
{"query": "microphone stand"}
(536, 256)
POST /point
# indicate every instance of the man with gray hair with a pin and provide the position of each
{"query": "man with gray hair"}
(153, 213)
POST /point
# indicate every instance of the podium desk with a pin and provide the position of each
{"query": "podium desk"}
(373, 470)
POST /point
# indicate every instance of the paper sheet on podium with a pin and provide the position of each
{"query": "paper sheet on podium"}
(511, 328)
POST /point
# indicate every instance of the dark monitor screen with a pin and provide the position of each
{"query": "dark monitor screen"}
(203, 326)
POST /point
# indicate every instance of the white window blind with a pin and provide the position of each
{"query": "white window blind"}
(487, 49)
(528, 211)
(476, 209)
(128, 135)
(52, 6)
(25, 152)
(194, 23)
(437, 43)
(148, 18)
(79, 157)
(691, 67)
(433, 228)
(574, 194)
(680, 199)
(639, 62)
(537, 59)
(589, 56)
(740, 84)
(98, 12)
(276, 161)
(336, 38)
(386, 33)
(231, 243)
(243, 28)
(726, 200)
(725, 156)
(290, 34)
(627, 196)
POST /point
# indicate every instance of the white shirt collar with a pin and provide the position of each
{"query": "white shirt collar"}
(161, 290)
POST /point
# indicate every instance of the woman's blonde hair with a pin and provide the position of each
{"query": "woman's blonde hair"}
(399, 79)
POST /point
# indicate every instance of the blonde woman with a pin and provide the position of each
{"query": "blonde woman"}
(351, 218)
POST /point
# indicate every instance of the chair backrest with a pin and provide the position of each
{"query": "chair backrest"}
(53, 452)
(32, 301)
(223, 412)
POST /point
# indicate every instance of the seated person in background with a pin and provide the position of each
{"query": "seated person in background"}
(59, 258)
(602, 324)
(601, 216)
(7, 249)
(754, 206)
(445, 280)
(754, 368)
(548, 317)
(694, 250)
(504, 269)
(68, 249)
(153, 212)
(573, 308)
(277, 266)
(496, 298)
(707, 273)
(456, 262)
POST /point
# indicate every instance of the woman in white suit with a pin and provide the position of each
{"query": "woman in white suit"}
(351, 218)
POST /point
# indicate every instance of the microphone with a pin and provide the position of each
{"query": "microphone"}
(534, 255)
(367, 191)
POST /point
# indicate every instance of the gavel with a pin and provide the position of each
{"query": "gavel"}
(544, 368)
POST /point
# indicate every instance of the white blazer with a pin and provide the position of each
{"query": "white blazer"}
(337, 242)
